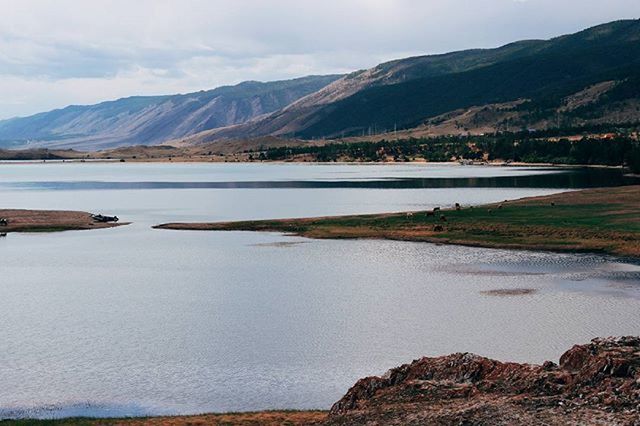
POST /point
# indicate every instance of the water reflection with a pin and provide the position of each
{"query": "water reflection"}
(571, 178)
(136, 321)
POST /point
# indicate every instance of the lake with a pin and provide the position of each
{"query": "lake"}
(134, 321)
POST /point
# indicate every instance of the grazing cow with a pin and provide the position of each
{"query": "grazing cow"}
(3, 234)
(409, 215)
(443, 218)
(3, 222)
(458, 207)
(553, 204)
(436, 209)
(438, 228)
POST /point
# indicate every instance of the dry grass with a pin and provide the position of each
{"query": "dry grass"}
(49, 221)
(266, 418)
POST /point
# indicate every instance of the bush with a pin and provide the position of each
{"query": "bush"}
(633, 159)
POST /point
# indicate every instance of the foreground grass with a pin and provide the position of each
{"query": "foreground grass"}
(596, 220)
(286, 417)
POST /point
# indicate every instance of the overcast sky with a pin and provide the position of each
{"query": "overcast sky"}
(56, 53)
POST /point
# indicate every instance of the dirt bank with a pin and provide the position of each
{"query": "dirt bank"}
(49, 221)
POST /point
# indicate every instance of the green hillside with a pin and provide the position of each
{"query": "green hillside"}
(543, 72)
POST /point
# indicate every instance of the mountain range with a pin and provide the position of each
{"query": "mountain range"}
(590, 77)
(150, 120)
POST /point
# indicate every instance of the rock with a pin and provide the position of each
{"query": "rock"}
(596, 383)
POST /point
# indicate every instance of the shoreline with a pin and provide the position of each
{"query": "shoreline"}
(593, 383)
(205, 160)
(32, 221)
(605, 220)
(265, 417)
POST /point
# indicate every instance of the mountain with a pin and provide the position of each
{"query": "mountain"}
(590, 76)
(153, 119)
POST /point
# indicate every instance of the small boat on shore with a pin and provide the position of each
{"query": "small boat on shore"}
(104, 219)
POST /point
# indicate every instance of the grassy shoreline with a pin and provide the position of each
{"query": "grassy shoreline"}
(269, 418)
(603, 220)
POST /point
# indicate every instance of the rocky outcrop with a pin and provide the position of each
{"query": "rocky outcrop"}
(597, 383)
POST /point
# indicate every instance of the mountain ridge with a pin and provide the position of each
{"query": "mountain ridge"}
(154, 119)
(527, 84)
(406, 93)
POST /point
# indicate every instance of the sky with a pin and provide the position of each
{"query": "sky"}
(54, 53)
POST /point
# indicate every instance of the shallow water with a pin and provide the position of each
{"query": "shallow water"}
(135, 321)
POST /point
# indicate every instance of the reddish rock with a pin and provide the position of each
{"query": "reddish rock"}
(597, 383)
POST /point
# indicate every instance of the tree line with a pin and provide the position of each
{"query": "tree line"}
(618, 150)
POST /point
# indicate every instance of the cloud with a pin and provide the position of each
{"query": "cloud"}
(73, 51)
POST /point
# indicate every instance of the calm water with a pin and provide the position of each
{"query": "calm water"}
(134, 321)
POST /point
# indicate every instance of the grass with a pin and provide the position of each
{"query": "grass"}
(594, 220)
(283, 417)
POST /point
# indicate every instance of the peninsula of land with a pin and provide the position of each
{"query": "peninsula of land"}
(49, 221)
(604, 220)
